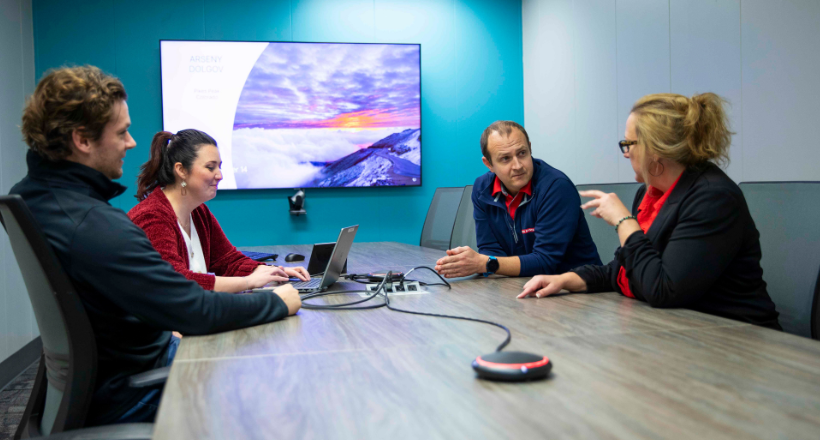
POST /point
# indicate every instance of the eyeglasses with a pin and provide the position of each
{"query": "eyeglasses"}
(624, 145)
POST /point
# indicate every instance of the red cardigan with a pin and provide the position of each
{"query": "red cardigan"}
(157, 218)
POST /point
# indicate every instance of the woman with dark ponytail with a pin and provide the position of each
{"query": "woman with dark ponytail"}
(181, 174)
(689, 240)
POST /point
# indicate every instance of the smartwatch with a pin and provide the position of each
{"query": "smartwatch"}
(492, 265)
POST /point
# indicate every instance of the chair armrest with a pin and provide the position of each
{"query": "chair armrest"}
(151, 378)
(125, 431)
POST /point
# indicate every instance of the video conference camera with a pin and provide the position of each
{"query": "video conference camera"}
(297, 202)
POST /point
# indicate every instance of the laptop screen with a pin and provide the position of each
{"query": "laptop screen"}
(339, 255)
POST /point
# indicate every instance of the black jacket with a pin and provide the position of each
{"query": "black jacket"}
(702, 252)
(133, 298)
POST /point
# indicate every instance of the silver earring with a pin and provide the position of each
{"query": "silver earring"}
(184, 184)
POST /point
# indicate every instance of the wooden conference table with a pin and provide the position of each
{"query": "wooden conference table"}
(621, 370)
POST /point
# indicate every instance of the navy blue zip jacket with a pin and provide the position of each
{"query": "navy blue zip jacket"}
(133, 297)
(549, 234)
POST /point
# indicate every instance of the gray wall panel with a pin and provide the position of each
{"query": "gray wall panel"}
(27, 30)
(17, 327)
(5, 39)
(549, 110)
(760, 55)
(706, 58)
(643, 59)
(781, 90)
(596, 97)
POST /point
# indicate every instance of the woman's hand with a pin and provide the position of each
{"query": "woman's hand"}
(264, 275)
(545, 285)
(297, 272)
(607, 206)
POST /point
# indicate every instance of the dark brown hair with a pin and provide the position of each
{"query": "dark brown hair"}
(502, 127)
(166, 150)
(68, 99)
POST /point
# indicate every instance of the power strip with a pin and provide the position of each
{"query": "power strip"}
(409, 288)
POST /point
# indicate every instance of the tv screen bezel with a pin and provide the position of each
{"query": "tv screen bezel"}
(421, 124)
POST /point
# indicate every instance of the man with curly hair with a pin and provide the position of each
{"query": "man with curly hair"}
(76, 125)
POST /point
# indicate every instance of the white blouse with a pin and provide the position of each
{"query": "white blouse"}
(196, 259)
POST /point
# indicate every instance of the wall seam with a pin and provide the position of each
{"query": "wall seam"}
(576, 170)
(117, 200)
(204, 19)
(4, 336)
(4, 190)
(742, 146)
(617, 95)
(455, 46)
(669, 30)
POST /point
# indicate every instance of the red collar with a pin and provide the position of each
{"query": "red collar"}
(651, 205)
(497, 188)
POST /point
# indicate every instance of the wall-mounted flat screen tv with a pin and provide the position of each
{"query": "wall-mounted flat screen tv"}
(299, 115)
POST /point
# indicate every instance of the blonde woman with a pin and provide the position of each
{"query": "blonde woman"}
(689, 240)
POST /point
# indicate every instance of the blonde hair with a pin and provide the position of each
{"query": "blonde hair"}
(690, 131)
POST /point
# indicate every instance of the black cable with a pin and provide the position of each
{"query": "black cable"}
(343, 306)
(368, 279)
(340, 306)
(381, 290)
(463, 318)
(401, 280)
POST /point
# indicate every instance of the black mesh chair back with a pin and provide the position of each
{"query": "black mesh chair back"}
(464, 233)
(438, 225)
(815, 310)
(604, 235)
(62, 390)
(786, 214)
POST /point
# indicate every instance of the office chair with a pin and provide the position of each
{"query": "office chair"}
(815, 310)
(64, 383)
(605, 239)
(441, 216)
(464, 233)
(786, 214)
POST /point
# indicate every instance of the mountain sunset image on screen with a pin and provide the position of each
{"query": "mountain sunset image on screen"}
(306, 114)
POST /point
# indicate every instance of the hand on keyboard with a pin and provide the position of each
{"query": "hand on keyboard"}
(264, 275)
(297, 272)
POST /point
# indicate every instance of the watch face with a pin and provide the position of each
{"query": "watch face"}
(492, 265)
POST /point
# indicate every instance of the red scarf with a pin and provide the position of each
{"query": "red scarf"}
(650, 206)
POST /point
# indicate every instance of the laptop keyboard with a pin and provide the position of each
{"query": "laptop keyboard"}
(311, 284)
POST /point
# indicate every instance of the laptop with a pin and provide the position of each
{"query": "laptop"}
(337, 261)
(319, 258)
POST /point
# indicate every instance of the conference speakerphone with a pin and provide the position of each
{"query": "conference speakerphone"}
(512, 366)
(500, 365)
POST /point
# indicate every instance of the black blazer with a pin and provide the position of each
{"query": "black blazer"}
(702, 252)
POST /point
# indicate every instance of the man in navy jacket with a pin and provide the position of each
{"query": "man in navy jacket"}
(528, 215)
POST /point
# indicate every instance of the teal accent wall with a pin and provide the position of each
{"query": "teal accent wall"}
(472, 75)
